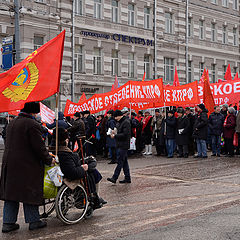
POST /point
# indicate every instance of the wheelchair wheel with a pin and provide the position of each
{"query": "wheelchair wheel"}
(48, 207)
(71, 205)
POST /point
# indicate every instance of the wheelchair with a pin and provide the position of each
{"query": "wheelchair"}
(73, 202)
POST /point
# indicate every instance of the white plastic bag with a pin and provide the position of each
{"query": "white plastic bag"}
(56, 175)
(132, 143)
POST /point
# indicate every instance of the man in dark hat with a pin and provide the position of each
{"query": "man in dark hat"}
(200, 130)
(9, 118)
(77, 130)
(170, 129)
(23, 169)
(90, 128)
(139, 140)
(122, 137)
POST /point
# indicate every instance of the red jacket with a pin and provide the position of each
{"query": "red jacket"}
(229, 126)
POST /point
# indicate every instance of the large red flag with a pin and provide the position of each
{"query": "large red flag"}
(176, 79)
(201, 81)
(208, 99)
(36, 78)
(236, 77)
(82, 98)
(228, 74)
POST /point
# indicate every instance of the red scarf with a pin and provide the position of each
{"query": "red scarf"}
(225, 122)
(145, 121)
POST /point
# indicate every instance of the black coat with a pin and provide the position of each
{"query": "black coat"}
(170, 127)
(200, 128)
(183, 138)
(77, 129)
(90, 126)
(23, 162)
(215, 123)
(123, 133)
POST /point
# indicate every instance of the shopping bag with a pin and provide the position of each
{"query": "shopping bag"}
(56, 175)
(132, 143)
(49, 189)
(235, 140)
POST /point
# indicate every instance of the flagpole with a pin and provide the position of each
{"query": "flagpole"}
(56, 116)
(130, 101)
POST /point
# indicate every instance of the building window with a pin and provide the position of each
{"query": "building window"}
(224, 71)
(225, 3)
(189, 71)
(79, 7)
(214, 1)
(98, 9)
(78, 59)
(201, 29)
(224, 35)
(201, 69)
(147, 66)
(168, 23)
(234, 70)
(38, 42)
(235, 4)
(115, 63)
(213, 32)
(235, 41)
(147, 18)
(169, 69)
(97, 61)
(213, 70)
(40, 1)
(131, 15)
(131, 68)
(115, 11)
(190, 27)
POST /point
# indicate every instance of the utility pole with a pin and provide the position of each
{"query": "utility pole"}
(17, 31)
(155, 39)
(73, 52)
(187, 30)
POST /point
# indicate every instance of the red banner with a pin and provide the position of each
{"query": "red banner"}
(35, 78)
(131, 92)
(225, 92)
(181, 95)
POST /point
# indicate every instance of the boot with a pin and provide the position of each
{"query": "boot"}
(149, 150)
(146, 150)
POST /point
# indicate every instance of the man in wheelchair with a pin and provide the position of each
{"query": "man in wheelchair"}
(74, 169)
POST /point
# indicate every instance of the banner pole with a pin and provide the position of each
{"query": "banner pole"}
(130, 101)
(56, 116)
(8, 118)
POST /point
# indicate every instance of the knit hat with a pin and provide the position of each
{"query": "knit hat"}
(231, 110)
(157, 110)
(118, 113)
(201, 106)
(110, 112)
(31, 107)
(86, 112)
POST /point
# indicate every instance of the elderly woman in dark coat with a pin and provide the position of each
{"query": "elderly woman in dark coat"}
(23, 169)
(229, 130)
(182, 133)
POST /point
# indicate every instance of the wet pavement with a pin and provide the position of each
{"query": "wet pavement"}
(168, 199)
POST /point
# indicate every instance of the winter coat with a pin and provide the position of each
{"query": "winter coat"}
(200, 128)
(170, 127)
(238, 122)
(61, 122)
(23, 162)
(215, 123)
(90, 126)
(229, 128)
(156, 125)
(191, 118)
(147, 132)
(111, 123)
(123, 134)
(77, 129)
(182, 138)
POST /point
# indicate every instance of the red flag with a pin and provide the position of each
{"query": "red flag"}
(144, 76)
(228, 74)
(82, 98)
(236, 77)
(35, 78)
(116, 84)
(208, 99)
(176, 79)
(201, 81)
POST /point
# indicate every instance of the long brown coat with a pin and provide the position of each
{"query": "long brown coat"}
(23, 162)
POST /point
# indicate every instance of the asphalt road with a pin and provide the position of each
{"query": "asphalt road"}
(168, 199)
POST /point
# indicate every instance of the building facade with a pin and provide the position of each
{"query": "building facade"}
(106, 39)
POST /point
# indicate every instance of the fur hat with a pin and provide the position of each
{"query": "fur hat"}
(110, 112)
(77, 114)
(118, 113)
(31, 107)
(62, 134)
(180, 110)
(225, 105)
(231, 110)
(201, 106)
(86, 112)
(157, 110)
